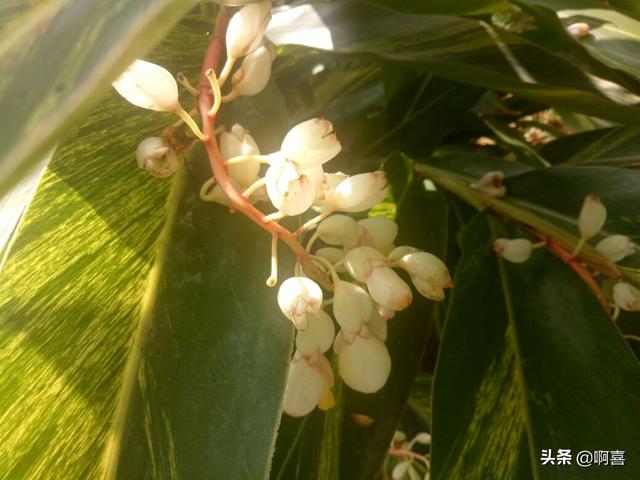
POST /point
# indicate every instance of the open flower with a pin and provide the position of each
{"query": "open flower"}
(296, 297)
(150, 86)
(288, 188)
(309, 381)
(254, 73)
(156, 157)
(311, 143)
(517, 250)
(246, 29)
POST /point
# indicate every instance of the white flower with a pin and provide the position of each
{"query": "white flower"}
(578, 30)
(363, 362)
(378, 325)
(311, 143)
(379, 233)
(593, 214)
(288, 188)
(491, 184)
(296, 297)
(388, 289)
(400, 470)
(428, 273)
(360, 192)
(332, 180)
(339, 230)
(423, 437)
(352, 305)
(334, 255)
(317, 178)
(237, 142)
(150, 86)
(517, 250)
(309, 381)
(318, 336)
(246, 29)
(361, 261)
(385, 313)
(397, 253)
(626, 296)
(254, 73)
(616, 247)
(157, 158)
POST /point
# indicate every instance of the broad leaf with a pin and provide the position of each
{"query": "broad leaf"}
(511, 377)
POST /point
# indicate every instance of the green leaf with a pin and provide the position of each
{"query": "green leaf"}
(529, 361)
(57, 59)
(97, 290)
(459, 49)
(443, 7)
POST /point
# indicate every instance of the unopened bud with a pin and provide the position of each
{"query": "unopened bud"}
(517, 250)
(578, 30)
(148, 85)
(157, 158)
(237, 142)
(339, 230)
(397, 253)
(352, 305)
(318, 336)
(296, 297)
(491, 184)
(592, 216)
(388, 289)
(626, 296)
(361, 261)
(378, 325)
(616, 247)
(308, 383)
(360, 192)
(364, 364)
(246, 29)
(254, 73)
(334, 255)
(379, 233)
(429, 274)
(311, 143)
(289, 190)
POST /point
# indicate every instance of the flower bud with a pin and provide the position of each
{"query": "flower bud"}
(246, 29)
(626, 296)
(379, 233)
(378, 325)
(592, 216)
(148, 85)
(360, 192)
(397, 253)
(296, 297)
(339, 230)
(364, 363)
(388, 289)
(352, 305)
(318, 336)
(254, 73)
(237, 142)
(311, 143)
(332, 180)
(308, 382)
(289, 190)
(616, 247)
(578, 30)
(157, 158)
(361, 261)
(334, 255)
(428, 273)
(491, 184)
(517, 250)
(385, 313)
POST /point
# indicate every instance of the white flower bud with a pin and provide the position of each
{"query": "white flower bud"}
(157, 158)
(289, 190)
(626, 296)
(399, 437)
(379, 233)
(352, 305)
(318, 336)
(237, 142)
(578, 30)
(332, 180)
(388, 289)
(423, 437)
(339, 230)
(378, 325)
(361, 261)
(360, 192)
(592, 216)
(428, 273)
(148, 85)
(254, 73)
(334, 255)
(364, 363)
(616, 247)
(491, 184)
(311, 143)
(400, 470)
(308, 382)
(517, 250)
(246, 29)
(385, 313)
(296, 297)
(397, 253)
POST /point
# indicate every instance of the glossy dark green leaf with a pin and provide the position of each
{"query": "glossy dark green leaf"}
(460, 49)
(57, 59)
(529, 361)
